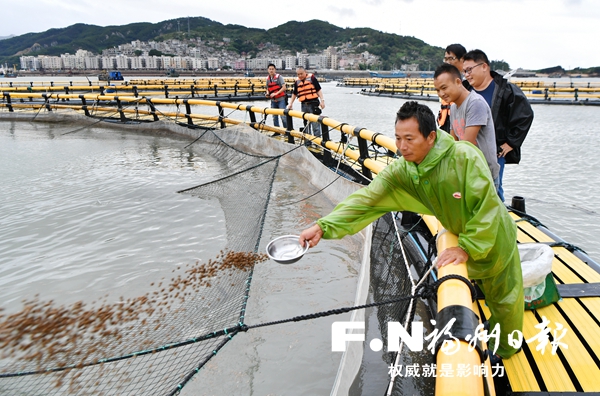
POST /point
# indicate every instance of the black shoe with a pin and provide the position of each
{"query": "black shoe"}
(495, 359)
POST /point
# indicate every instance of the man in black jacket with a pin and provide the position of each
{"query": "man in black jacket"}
(511, 110)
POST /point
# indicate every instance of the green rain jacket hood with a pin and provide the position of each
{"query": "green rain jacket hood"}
(452, 183)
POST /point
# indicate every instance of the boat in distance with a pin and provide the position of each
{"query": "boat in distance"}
(390, 74)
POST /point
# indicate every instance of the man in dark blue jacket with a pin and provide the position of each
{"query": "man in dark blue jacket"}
(511, 110)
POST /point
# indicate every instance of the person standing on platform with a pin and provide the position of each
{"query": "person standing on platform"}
(276, 92)
(470, 116)
(511, 110)
(452, 56)
(450, 180)
(308, 91)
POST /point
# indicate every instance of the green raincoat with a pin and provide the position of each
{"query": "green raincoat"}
(454, 184)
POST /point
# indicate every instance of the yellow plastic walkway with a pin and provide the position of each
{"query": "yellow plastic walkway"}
(575, 365)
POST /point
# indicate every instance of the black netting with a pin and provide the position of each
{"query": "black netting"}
(390, 277)
(243, 193)
(394, 270)
(153, 344)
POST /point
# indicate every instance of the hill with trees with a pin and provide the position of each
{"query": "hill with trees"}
(314, 36)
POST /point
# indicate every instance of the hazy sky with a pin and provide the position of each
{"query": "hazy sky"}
(526, 33)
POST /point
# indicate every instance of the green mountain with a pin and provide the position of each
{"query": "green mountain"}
(314, 36)
(392, 49)
(91, 37)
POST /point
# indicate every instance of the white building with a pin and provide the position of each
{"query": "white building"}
(195, 52)
(108, 62)
(177, 62)
(318, 62)
(277, 62)
(213, 63)
(83, 53)
(137, 62)
(257, 63)
(199, 64)
(122, 62)
(68, 61)
(29, 62)
(334, 62)
(51, 62)
(151, 62)
(290, 62)
(302, 58)
(92, 62)
(166, 62)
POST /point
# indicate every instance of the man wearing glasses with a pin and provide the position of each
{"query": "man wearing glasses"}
(452, 56)
(511, 110)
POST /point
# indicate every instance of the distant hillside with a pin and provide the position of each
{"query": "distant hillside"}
(550, 70)
(90, 37)
(590, 71)
(314, 36)
(394, 50)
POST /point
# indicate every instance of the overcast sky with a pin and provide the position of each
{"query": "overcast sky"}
(532, 34)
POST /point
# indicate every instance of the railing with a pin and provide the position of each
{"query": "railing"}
(372, 82)
(201, 88)
(372, 152)
(536, 91)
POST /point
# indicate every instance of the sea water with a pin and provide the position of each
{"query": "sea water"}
(95, 212)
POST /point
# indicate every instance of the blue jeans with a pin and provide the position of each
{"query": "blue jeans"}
(315, 127)
(280, 104)
(501, 162)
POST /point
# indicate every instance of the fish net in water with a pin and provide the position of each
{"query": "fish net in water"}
(156, 343)
(397, 263)
(153, 344)
(390, 275)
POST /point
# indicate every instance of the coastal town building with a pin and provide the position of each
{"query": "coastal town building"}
(195, 54)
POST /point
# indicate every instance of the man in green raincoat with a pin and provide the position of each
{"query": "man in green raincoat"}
(451, 181)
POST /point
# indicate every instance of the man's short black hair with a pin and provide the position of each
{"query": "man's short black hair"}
(270, 64)
(422, 113)
(447, 68)
(477, 56)
(456, 49)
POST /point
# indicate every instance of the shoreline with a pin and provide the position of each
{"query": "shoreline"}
(328, 74)
(191, 73)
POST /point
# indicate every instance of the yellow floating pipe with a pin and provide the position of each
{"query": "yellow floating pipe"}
(455, 292)
(339, 148)
(377, 138)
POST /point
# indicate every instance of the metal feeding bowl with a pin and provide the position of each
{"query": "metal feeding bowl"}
(286, 249)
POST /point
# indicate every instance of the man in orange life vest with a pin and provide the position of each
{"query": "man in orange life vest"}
(276, 92)
(453, 56)
(308, 91)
